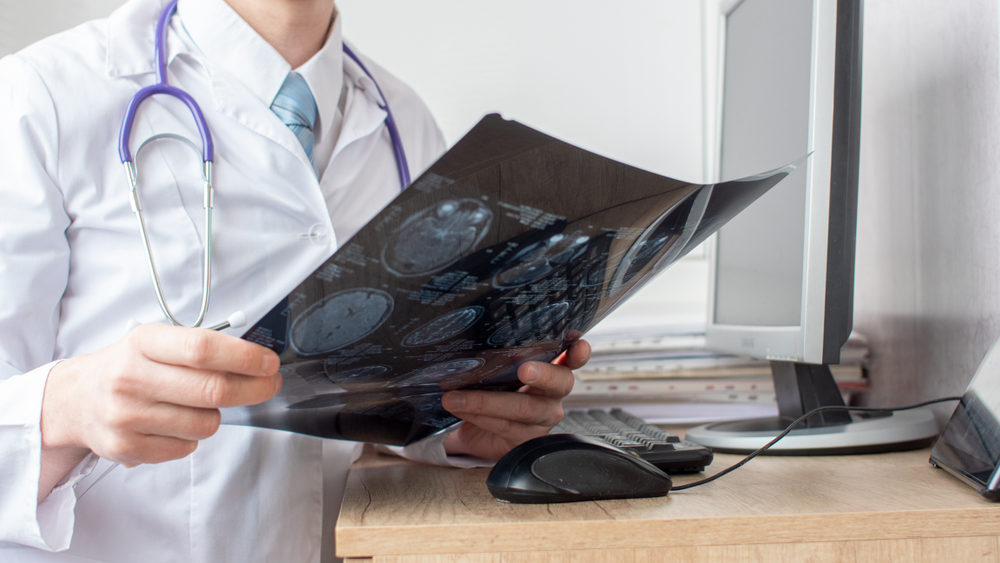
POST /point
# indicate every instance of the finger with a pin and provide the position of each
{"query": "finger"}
(203, 389)
(545, 379)
(174, 421)
(510, 431)
(134, 449)
(517, 407)
(577, 355)
(204, 349)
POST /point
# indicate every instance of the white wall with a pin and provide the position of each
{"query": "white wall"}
(25, 21)
(621, 78)
(928, 266)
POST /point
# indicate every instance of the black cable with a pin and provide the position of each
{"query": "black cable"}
(791, 426)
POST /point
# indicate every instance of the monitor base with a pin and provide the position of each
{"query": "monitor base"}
(903, 430)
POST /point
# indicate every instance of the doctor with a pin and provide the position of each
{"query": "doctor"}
(110, 443)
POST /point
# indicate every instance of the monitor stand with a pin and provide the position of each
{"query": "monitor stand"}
(800, 388)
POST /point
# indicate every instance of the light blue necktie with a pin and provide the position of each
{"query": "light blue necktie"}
(296, 107)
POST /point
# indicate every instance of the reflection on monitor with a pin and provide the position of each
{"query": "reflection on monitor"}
(783, 270)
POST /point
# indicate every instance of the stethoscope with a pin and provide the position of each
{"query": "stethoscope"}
(207, 153)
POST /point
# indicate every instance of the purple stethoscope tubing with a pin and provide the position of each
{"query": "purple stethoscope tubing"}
(162, 87)
(390, 123)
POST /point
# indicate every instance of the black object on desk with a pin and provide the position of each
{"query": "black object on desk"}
(567, 467)
(969, 447)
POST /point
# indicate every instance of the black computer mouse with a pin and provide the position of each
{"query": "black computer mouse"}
(568, 467)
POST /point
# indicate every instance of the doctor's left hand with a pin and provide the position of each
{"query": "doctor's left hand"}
(496, 421)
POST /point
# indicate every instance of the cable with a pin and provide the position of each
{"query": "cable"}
(791, 426)
(98, 480)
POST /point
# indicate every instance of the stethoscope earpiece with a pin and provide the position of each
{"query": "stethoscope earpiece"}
(236, 320)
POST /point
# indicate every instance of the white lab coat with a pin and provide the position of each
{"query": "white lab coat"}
(73, 274)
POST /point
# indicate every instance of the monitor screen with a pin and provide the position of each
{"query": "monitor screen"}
(765, 123)
(782, 271)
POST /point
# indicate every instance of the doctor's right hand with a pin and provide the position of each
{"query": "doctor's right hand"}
(151, 396)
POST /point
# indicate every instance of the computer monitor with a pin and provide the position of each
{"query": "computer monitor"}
(782, 272)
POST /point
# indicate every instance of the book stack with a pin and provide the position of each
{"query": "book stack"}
(673, 365)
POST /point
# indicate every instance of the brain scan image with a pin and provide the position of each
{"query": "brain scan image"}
(313, 371)
(647, 246)
(539, 259)
(662, 241)
(530, 327)
(594, 272)
(443, 370)
(396, 410)
(444, 327)
(339, 319)
(593, 265)
(436, 236)
(331, 400)
(353, 377)
(430, 413)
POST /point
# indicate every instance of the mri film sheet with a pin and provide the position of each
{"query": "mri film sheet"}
(508, 249)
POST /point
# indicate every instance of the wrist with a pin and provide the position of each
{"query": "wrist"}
(57, 428)
(60, 451)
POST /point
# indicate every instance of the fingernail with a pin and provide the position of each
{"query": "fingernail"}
(529, 374)
(455, 400)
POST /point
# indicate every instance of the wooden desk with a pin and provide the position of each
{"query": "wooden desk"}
(886, 507)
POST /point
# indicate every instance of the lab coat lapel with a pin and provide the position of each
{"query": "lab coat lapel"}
(362, 115)
(261, 151)
(246, 110)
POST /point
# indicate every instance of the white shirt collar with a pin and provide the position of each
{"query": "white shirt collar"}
(130, 38)
(230, 45)
(324, 73)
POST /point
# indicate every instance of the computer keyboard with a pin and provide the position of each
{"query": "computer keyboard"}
(633, 434)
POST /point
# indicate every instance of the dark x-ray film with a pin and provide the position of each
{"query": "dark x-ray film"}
(506, 250)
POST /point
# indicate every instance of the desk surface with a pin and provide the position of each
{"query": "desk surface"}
(779, 508)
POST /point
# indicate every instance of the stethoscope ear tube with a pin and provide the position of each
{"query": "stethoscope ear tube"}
(390, 122)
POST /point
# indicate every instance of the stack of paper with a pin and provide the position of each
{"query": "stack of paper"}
(672, 364)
